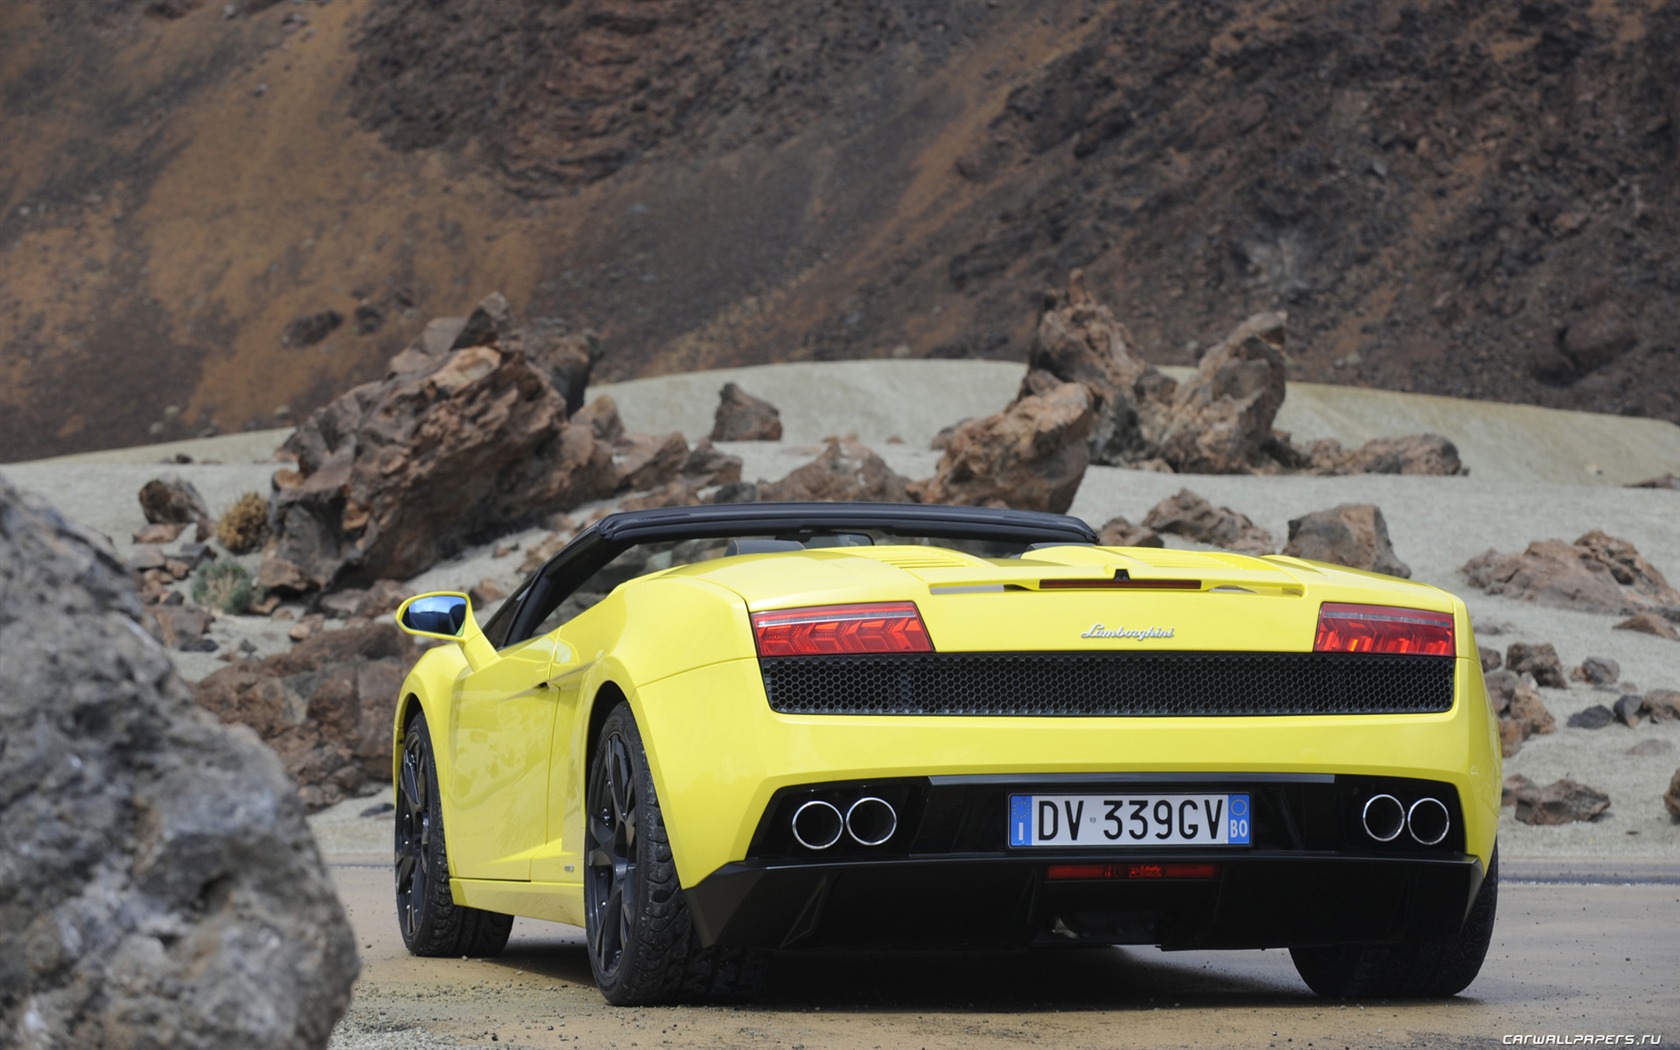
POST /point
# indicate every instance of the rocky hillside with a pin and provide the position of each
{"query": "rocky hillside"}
(221, 213)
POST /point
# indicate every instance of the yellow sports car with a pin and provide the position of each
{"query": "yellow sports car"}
(705, 733)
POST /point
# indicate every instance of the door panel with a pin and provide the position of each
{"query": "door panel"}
(501, 735)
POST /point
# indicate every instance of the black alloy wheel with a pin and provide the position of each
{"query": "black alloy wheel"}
(430, 920)
(612, 877)
(642, 944)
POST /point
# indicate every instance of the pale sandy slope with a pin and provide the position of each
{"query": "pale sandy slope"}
(1535, 474)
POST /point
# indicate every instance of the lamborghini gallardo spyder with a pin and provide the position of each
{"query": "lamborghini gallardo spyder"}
(704, 734)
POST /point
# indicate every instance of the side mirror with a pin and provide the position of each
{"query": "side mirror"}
(441, 615)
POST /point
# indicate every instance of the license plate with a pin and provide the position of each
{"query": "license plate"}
(1129, 820)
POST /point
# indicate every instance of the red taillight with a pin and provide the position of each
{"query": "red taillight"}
(888, 627)
(1059, 872)
(1383, 629)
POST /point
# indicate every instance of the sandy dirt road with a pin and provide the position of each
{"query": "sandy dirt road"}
(1580, 949)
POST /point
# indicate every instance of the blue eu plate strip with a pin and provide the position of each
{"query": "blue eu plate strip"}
(1020, 820)
(1238, 828)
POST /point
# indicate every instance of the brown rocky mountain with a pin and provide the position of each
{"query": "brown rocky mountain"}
(211, 210)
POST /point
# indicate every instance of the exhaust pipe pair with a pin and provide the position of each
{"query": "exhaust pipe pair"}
(1385, 817)
(870, 821)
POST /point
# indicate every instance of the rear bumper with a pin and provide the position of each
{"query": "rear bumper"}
(1257, 900)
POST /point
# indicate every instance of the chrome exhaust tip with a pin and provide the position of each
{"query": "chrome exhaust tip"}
(1384, 818)
(1428, 821)
(871, 821)
(817, 824)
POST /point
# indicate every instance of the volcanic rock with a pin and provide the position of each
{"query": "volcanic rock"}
(1650, 623)
(1118, 532)
(1598, 337)
(1352, 534)
(1491, 660)
(1222, 417)
(1595, 717)
(1189, 515)
(743, 417)
(173, 500)
(395, 475)
(1671, 797)
(324, 706)
(648, 461)
(1663, 705)
(1597, 670)
(1515, 786)
(845, 470)
(1541, 661)
(1666, 481)
(310, 329)
(1524, 716)
(1030, 456)
(1561, 802)
(569, 358)
(158, 534)
(1412, 454)
(1629, 709)
(1501, 689)
(365, 603)
(180, 627)
(1078, 340)
(161, 886)
(491, 323)
(1596, 573)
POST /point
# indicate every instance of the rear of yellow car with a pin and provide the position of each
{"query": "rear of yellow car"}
(1086, 745)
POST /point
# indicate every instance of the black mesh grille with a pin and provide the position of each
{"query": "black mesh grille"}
(1093, 684)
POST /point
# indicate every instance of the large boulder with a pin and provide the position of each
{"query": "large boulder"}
(1352, 534)
(1030, 456)
(161, 888)
(1596, 573)
(395, 475)
(1188, 515)
(743, 417)
(1221, 418)
(324, 706)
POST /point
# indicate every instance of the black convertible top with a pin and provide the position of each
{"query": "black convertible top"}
(907, 519)
(597, 545)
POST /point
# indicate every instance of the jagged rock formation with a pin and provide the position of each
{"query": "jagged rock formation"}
(395, 475)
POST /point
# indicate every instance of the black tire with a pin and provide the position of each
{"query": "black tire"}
(642, 944)
(1430, 969)
(431, 922)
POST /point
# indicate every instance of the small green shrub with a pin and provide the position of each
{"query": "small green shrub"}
(245, 525)
(226, 587)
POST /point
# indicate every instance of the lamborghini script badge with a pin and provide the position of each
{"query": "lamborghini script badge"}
(1099, 631)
